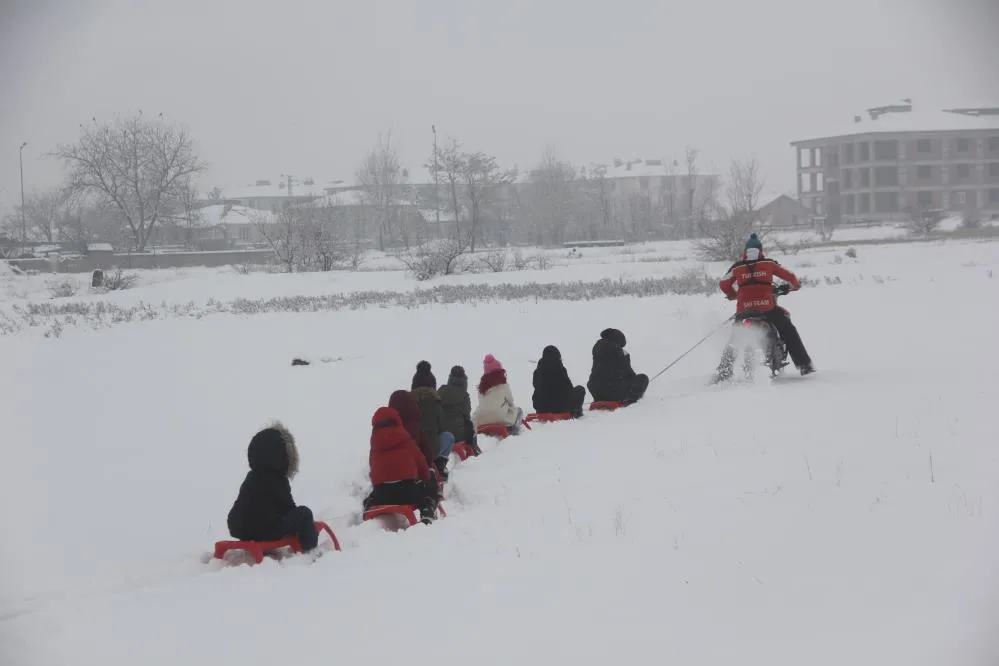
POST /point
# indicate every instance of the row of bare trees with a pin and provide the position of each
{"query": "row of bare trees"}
(132, 177)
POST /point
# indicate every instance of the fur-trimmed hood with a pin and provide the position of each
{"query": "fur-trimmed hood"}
(273, 450)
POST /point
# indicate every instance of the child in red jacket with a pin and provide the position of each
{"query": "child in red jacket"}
(399, 471)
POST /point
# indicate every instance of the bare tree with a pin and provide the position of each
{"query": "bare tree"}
(447, 166)
(744, 186)
(482, 177)
(283, 234)
(324, 236)
(382, 180)
(215, 195)
(45, 213)
(554, 195)
(138, 165)
(726, 234)
(188, 217)
(690, 162)
(670, 188)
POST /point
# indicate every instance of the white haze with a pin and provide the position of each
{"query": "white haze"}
(305, 88)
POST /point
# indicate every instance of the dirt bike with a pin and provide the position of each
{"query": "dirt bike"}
(759, 341)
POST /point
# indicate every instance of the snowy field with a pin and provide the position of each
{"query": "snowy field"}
(844, 518)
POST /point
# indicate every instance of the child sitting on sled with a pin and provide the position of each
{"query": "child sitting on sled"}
(496, 405)
(264, 509)
(399, 471)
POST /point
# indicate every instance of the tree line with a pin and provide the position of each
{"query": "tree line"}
(134, 180)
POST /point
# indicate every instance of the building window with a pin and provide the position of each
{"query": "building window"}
(643, 183)
(820, 182)
(805, 157)
(962, 171)
(923, 146)
(831, 157)
(865, 152)
(847, 179)
(994, 144)
(851, 204)
(885, 176)
(925, 172)
(962, 198)
(993, 169)
(945, 200)
(994, 195)
(886, 202)
(963, 145)
(803, 185)
(924, 199)
(885, 151)
(864, 202)
(848, 153)
(865, 177)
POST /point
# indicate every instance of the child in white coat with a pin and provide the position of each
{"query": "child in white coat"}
(496, 405)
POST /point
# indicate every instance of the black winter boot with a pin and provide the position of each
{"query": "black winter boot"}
(441, 465)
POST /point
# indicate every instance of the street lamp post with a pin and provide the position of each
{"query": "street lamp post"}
(24, 226)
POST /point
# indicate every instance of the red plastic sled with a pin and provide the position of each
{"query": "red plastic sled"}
(258, 549)
(605, 405)
(548, 417)
(462, 450)
(406, 511)
(493, 430)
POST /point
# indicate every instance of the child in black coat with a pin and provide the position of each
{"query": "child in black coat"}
(264, 509)
(553, 390)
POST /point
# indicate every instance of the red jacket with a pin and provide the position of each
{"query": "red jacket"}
(754, 280)
(408, 410)
(394, 456)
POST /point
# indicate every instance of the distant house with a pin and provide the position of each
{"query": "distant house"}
(784, 211)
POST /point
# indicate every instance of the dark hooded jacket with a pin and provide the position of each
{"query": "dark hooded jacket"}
(431, 414)
(611, 377)
(553, 391)
(405, 404)
(265, 496)
(456, 407)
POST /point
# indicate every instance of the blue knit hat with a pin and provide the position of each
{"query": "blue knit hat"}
(754, 242)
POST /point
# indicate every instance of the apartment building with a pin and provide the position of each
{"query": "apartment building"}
(898, 161)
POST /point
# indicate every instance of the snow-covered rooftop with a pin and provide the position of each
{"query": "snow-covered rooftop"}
(277, 187)
(910, 121)
(216, 215)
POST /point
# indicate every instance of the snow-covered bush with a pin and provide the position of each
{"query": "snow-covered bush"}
(62, 288)
(118, 280)
(433, 258)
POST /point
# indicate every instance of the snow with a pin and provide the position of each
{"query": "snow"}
(100, 247)
(846, 517)
(912, 121)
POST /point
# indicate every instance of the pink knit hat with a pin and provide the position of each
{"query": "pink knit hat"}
(489, 364)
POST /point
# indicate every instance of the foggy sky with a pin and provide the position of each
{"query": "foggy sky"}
(305, 87)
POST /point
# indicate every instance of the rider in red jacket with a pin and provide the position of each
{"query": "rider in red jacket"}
(749, 282)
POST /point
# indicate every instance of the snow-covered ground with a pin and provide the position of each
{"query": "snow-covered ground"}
(846, 517)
